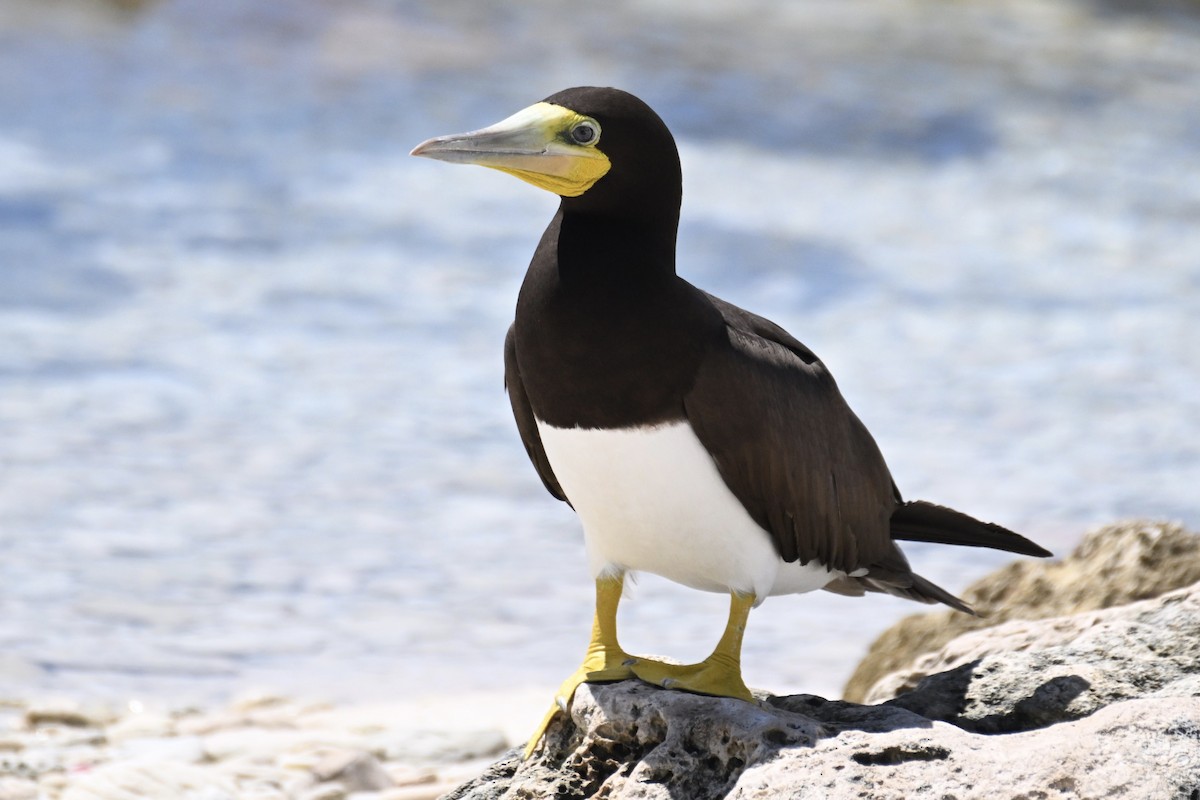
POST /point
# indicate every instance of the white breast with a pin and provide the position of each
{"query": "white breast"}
(651, 500)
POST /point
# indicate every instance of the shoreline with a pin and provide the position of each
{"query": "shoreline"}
(261, 745)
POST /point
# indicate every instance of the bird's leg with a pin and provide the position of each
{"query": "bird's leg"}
(604, 661)
(721, 673)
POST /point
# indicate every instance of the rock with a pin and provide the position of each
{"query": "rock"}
(69, 713)
(356, 771)
(1025, 675)
(257, 701)
(140, 725)
(263, 793)
(637, 741)
(261, 747)
(439, 746)
(52, 784)
(37, 760)
(1112, 566)
(268, 744)
(429, 792)
(408, 775)
(325, 791)
(188, 749)
(151, 780)
(1097, 705)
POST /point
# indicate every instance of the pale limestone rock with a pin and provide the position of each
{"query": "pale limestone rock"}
(1097, 705)
(201, 723)
(69, 713)
(141, 725)
(408, 775)
(632, 741)
(438, 746)
(263, 793)
(151, 780)
(257, 701)
(259, 744)
(325, 791)
(355, 770)
(1112, 566)
(1031, 674)
(428, 792)
(188, 749)
(261, 748)
(52, 784)
(1135, 750)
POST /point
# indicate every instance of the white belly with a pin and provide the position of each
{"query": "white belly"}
(651, 500)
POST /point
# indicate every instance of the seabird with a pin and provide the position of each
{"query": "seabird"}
(694, 439)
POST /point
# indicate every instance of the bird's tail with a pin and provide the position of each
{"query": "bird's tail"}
(924, 590)
(919, 521)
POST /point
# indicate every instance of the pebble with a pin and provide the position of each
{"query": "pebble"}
(328, 791)
(75, 715)
(140, 726)
(188, 749)
(431, 792)
(446, 746)
(256, 748)
(357, 770)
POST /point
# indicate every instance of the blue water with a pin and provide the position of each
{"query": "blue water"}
(252, 429)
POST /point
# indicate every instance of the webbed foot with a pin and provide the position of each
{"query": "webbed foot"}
(712, 676)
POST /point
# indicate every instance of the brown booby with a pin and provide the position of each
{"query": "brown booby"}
(694, 439)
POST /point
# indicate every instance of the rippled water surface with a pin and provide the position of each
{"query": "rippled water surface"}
(252, 428)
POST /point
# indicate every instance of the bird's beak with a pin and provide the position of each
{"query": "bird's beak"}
(534, 145)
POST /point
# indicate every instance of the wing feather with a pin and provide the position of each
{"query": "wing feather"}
(526, 422)
(789, 447)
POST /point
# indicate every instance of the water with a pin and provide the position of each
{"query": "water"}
(252, 429)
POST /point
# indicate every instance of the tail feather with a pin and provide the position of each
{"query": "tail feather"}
(926, 591)
(914, 587)
(926, 522)
(919, 521)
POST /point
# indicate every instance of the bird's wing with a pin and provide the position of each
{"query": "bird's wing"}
(789, 447)
(526, 423)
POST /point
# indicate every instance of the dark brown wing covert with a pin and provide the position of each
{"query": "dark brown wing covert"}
(790, 448)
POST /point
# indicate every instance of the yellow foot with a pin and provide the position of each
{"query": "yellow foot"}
(711, 676)
(598, 669)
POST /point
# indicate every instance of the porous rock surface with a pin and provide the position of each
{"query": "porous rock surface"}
(1024, 675)
(1112, 566)
(1097, 705)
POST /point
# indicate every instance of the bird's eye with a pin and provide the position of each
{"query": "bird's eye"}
(585, 133)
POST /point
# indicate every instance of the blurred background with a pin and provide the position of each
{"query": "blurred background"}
(252, 427)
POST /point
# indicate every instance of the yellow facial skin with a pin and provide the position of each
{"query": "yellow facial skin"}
(536, 145)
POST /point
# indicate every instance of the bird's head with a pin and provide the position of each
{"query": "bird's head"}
(602, 150)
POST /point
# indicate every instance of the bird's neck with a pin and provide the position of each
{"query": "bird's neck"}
(606, 334)
(597, 251)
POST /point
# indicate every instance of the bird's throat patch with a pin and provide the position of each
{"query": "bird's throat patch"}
(578, 175)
